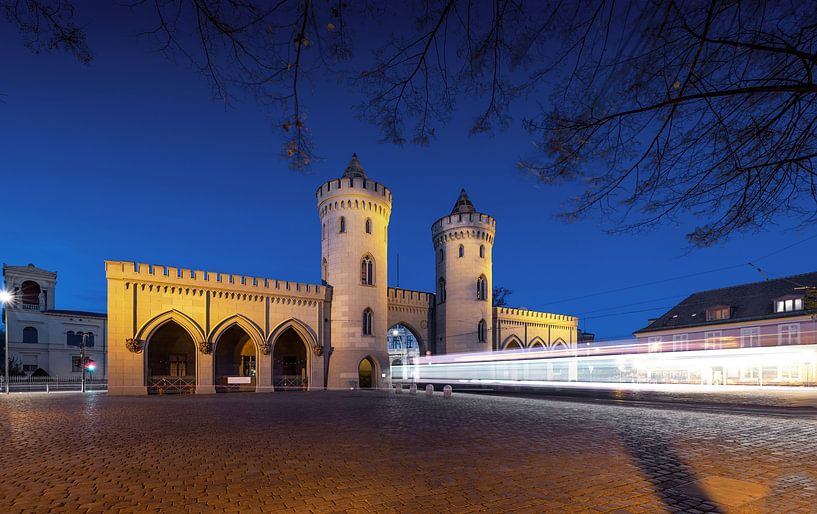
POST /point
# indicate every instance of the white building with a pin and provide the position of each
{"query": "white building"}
(48, 339)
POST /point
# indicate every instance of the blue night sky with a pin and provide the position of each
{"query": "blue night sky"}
(129, 158)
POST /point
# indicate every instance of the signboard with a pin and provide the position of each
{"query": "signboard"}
(239, 380)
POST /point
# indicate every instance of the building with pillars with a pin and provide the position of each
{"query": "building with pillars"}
(176, 329)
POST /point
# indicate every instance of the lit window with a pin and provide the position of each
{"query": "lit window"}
(713, 340)
(788, 334)
(367, 271)
(680, 342)
(367, 322)
(788, 304)
(717, 313)
(749, 337)
(654, 344)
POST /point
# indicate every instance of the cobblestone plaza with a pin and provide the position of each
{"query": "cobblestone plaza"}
(367, 451)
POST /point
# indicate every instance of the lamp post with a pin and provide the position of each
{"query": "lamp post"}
(6, 298)
(82, 358)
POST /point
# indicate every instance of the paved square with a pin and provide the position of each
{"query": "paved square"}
(368, 451)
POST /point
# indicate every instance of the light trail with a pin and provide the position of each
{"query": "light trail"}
(630, 365)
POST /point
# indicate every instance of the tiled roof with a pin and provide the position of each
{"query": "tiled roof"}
(354, 169)
(463, 204)
(747, 302)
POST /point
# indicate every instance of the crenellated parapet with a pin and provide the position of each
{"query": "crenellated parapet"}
(186, 281)
(357, 193)
(460, 226)
(528, 316)
(409, 299)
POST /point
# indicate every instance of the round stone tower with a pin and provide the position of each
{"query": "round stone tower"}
(354, 213)
(463, 243)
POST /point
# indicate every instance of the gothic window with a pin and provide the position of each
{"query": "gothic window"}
(368, 225)
(481, 251)
(367, 271)
(482, 289)
(441, 291)
(30, 335)
(482, 331)
(367, 322)
(342, 228)
(462, 251)
(31, 294)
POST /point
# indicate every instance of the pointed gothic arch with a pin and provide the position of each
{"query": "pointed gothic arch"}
(182, 319)
(512, 343)
(254, 331)
(537, 342)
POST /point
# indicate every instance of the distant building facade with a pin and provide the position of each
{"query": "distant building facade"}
(778, 312)
(208, 332)
(46, 340)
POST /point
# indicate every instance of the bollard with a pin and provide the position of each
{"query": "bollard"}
(447, 391)
(413, 389)
(429, 390)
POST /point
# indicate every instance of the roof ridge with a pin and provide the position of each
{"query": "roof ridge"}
(754, 283)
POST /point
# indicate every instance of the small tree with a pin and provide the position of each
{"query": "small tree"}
(501, 295)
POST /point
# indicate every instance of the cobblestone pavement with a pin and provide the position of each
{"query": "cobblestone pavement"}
(368, 451)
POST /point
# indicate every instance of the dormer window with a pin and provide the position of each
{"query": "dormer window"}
(718, 312)
(788, 304)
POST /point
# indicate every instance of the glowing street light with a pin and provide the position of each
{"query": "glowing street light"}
(6, 299)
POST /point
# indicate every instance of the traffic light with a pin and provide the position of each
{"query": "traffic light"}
(89, 364)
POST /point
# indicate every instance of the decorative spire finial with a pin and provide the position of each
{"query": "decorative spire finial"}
(354, 169)
(463, 204)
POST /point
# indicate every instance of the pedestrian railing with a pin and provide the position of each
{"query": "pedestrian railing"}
(289, 382)
(165, 384)
(29, 384)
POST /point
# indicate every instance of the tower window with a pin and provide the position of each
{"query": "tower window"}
(368, 225)
(323, 231)
(324, 269)
(481, 251)
(441, 291)
(482, 289)
(30, 335)
(367, 271)
(442, 255)
(462, 251)
(367, 322)
(482, 331)
(342, 228)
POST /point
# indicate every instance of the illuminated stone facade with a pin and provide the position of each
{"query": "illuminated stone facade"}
(180, 330)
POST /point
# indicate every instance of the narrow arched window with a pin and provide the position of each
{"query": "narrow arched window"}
(323, 231)
(324, 269)
(30, 335)
(462, 251)
(70, 338)
(442, 255)
(368, 225)
(367, 271)
(482, 289)
(90, 340)
(482, 331)
(342, 228)
(481, 251)
(441, 291)
(367, 322)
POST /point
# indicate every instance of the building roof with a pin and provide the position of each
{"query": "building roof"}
(463, 204)
(747, 302)
(354, 169)
(86, 314)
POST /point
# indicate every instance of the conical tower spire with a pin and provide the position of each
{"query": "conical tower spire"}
(354, 169)
(463, 204)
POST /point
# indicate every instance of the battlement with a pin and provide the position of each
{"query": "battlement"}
(132, 271)
(400, 296)
(356, 185)
(472, 224)
(508, 313)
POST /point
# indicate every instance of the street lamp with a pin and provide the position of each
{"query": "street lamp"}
(6, 299)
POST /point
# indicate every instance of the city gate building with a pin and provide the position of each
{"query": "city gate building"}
(175, 329)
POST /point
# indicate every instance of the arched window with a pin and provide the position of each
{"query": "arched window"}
(462, 251)
(368, 225)
(30, 335)
(442, 255)
(31, 294)
(90, 341)
(482, 290)
(481, 251)
(367, 322)
(342, 228)
(367, 271)
(482, 331)
(441, 291)
(324, 269)
(323, 231)
(70, 338)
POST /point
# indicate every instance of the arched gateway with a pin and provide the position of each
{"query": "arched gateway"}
(170, 360)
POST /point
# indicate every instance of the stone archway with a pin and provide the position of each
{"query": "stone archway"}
(290, 361)
(366, 373)
(170, 360)
(512, 343)
(235, 361)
